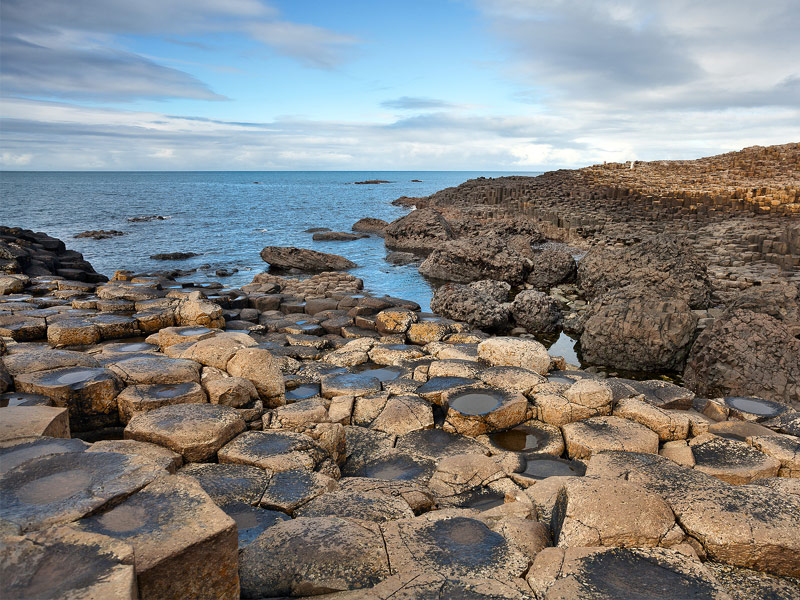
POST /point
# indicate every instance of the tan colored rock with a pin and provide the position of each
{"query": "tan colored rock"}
(62, 562)
(590, 436)
(544, 495)
(167, 459)
(195, 431)
(73, 331)
(456, 368)
(196, 311)
(136, 399)
(668, 424)
(731, 460)
(785, 448)
(216, 351)
(512, 379)
(275, 451)
(583, 399)
(156, 369)
(602, 512)
(230, 391)
(515, 352)
(23, 421)
(305, 413)
(425, 332)
(395, 320)
(41, 359)
(678, 452)
(16, 451)
(404, 414)
(169, 336)
(457, 474)
(263, 370)
(341, 409)
(475, 411)
(394, 354)
(184, 545)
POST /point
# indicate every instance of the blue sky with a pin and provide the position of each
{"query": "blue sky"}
(445, 84)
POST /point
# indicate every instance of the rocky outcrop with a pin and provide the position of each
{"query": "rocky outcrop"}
(35, 254)
(551, 266)
(746, 354)
(636, 330)
(778, 300)
(537, 312)
(472, 304)
(420, 231)
(336, 236)
(662, 263)
(472, 259)
(370, 225)
(99, 234)
(281, 257)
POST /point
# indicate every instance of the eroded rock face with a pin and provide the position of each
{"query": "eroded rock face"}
(746, 354)
(420, 231)
(636, 330)
(472, 259)
(662, 262)
(551, 266)
(472, 305)
(304, 260)
(313, 555)
(590, 436)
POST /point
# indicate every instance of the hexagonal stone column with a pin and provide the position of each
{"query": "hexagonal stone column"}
(136, 399)
(185, 546)
(474, 411)
(23, 421)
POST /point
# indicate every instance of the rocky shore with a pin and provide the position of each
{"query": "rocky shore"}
(303, 437)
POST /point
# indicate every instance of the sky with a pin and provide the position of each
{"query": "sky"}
(511, 85)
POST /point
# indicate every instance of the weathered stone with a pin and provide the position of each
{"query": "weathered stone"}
(59, 488)
(530, 436)
(590, 436)
(471, 304)
(65, 563)
(404, 414)
(394, 354)
(785, 448)
(252, 521)
(137, 399)
(313, 556)
(38, 359)
(512, 379)
(669, 425)
(436, 444)
(144, 369)
(537, 312)
(23, 421)
(428, 331)
(167, 459)
(183, 543)
(289, 490)
(218, 350)
(420, 231)
(678, 452)
(612, 573)
(304, 260)
(515, 352)
(73, 331)
(462, 473)
(263, 370)
(750, 526)
(275, 451)
(395, 320)
(551, 266)
(230, 391)
(475, 411)
(169, 336)
(350, 384)
(16, 451)
(22, 328)
(745, 584)
(730, 460)
(228, 483)
(473, 259)
(370, 225)
(599, 512)
(196, 431)
(583, 399)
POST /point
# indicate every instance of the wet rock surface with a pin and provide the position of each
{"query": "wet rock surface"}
(304, 260)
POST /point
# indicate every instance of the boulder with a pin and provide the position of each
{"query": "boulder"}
(261, 368)
(304, 260)
(551, 266)
(662, 262)
(471, 305)
(515, 352)
(746, 354)
(421, 231)
(537, 312)
(136, 399)
(370, 225)
(472, 259)
(633, 329)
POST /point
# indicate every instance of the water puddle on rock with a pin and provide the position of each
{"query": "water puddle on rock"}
(123, 519)
(755, 406)
(521, 439)
(135, 347)
(72, 377)
(541, 467)
(382, 373)
(475, 403)
(484, 500)
(303, 392)
(55, 487)
(194, 331)
(171, 390)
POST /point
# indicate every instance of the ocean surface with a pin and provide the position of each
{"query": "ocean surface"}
(225, 217)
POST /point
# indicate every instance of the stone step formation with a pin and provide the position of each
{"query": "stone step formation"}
(304, 437)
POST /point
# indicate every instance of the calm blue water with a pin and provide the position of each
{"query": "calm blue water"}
(224, 216)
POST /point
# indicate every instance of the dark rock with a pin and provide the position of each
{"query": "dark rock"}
(146, 218)
(400, 258)
(634, 329)
(551, 266)
(781, 301)
(316, 229)
(371, 182)
(370, 225)
(746, 354)
(336, 236)
(173, 255)
(475, 307)
(662, 262)
(420, 231)
(304, 260)
(537, 312)
(99, 234)
(471, 259)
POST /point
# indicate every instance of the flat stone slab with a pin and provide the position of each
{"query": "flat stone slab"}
(350, 384)
(23, 399)
(434, 444)
(614, 573)
(512, 379)
(136, 399)
(746, 584)
(367, 505)
(749, 526)
(59, 488)
(185, 546)
(394, 465)
(24, 421)
(530, 436)
(452, 546)
(289, 490)
(90, 394)
(251, 521)
(17, 451)
(313, 555)
(433, 389)
(419, 584)
(164, 457)
(275, 451)
(404, 414)
(65, 563)
(34, 360)
(156, 370)
(476, 410)
(730, 460)
(785, 448)
(195, 431)
(590, 436)
(229, 484)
